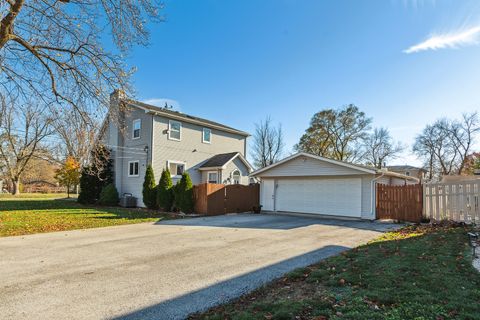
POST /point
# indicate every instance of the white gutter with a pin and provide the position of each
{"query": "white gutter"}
(372, 195)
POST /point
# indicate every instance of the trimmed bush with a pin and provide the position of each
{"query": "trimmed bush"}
(109, 195)
(149, 191)
(184, 194)
(165, 191)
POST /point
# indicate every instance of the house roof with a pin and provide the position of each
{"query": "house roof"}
(405, 168)
(220, 161)
(183, 117)
(362, 168)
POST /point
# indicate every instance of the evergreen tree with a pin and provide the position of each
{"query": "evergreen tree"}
(184, 192)
(165, 191)
(96, 176)
(109, 195)
(149, 189)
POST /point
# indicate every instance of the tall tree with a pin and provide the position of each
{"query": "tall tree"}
(380, 147)
(56, 49)
(336, 134)
(268, 143)
(23, 128)
(445, 145)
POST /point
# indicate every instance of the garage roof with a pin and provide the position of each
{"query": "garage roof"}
(361, 168)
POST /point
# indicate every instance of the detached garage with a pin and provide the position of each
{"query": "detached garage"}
(305, 183)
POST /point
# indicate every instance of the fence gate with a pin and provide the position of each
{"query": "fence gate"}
(457, 201)
(214, 199)
(403, 203)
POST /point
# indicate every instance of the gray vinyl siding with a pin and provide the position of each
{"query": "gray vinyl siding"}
(133, 150)
(190, 150)
(301, 166)
(233, 165)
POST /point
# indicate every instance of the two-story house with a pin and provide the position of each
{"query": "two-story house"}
(410, 171)
(140, 134)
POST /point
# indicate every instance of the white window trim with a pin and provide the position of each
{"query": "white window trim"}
(208, 176)
(203, 135)
(133, 129)
(133, 175)
(176, 162)
(170, 130)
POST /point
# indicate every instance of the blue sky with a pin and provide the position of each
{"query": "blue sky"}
(403, 62)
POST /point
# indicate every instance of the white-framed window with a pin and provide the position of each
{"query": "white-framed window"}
(133, 169)
(207, 135)
(174, 130)
(236, 176)
(136, 127)
(176, 168)
(212, 177)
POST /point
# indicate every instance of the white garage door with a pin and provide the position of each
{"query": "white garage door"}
(340, 197)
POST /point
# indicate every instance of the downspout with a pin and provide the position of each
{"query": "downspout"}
(372, 195)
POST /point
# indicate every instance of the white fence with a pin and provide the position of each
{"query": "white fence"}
(457, 201)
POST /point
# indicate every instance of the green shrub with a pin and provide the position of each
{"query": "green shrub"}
(184, 194)
(165, 191)
(149, 189)
(109, 196)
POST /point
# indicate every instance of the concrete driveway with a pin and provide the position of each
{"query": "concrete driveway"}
(161, 271)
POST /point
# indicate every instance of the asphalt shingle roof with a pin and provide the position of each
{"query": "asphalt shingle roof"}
(184, 116)
(218, 160)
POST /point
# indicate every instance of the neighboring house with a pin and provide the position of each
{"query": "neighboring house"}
(208, 151)
(306, 183)
(407, 170)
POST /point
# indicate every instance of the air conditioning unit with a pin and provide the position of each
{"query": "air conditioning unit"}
(128, 201)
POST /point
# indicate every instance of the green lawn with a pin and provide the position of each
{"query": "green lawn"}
(45, 213)
(417, 273)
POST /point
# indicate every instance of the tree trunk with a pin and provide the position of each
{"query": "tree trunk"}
(16, 187)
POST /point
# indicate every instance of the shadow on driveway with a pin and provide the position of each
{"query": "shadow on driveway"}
(203, 299)
(276, 221)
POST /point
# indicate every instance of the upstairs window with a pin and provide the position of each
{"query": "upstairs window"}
(206, 135)
(137, 125)
(176, 168)
(174, 130)
(133, 169)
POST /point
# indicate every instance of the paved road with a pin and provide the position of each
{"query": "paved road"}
(161, 271)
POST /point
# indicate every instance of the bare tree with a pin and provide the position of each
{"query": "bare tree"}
(22, 130)
(75, 136)
(54, 48)
(445, 145)
(268, 143)
(380, 147)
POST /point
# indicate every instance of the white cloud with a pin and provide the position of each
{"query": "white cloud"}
(456, 39)
(160, 102)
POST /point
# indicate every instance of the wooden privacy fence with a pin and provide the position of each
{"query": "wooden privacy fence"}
(403, 203)
(215, 199)
(457, 201)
